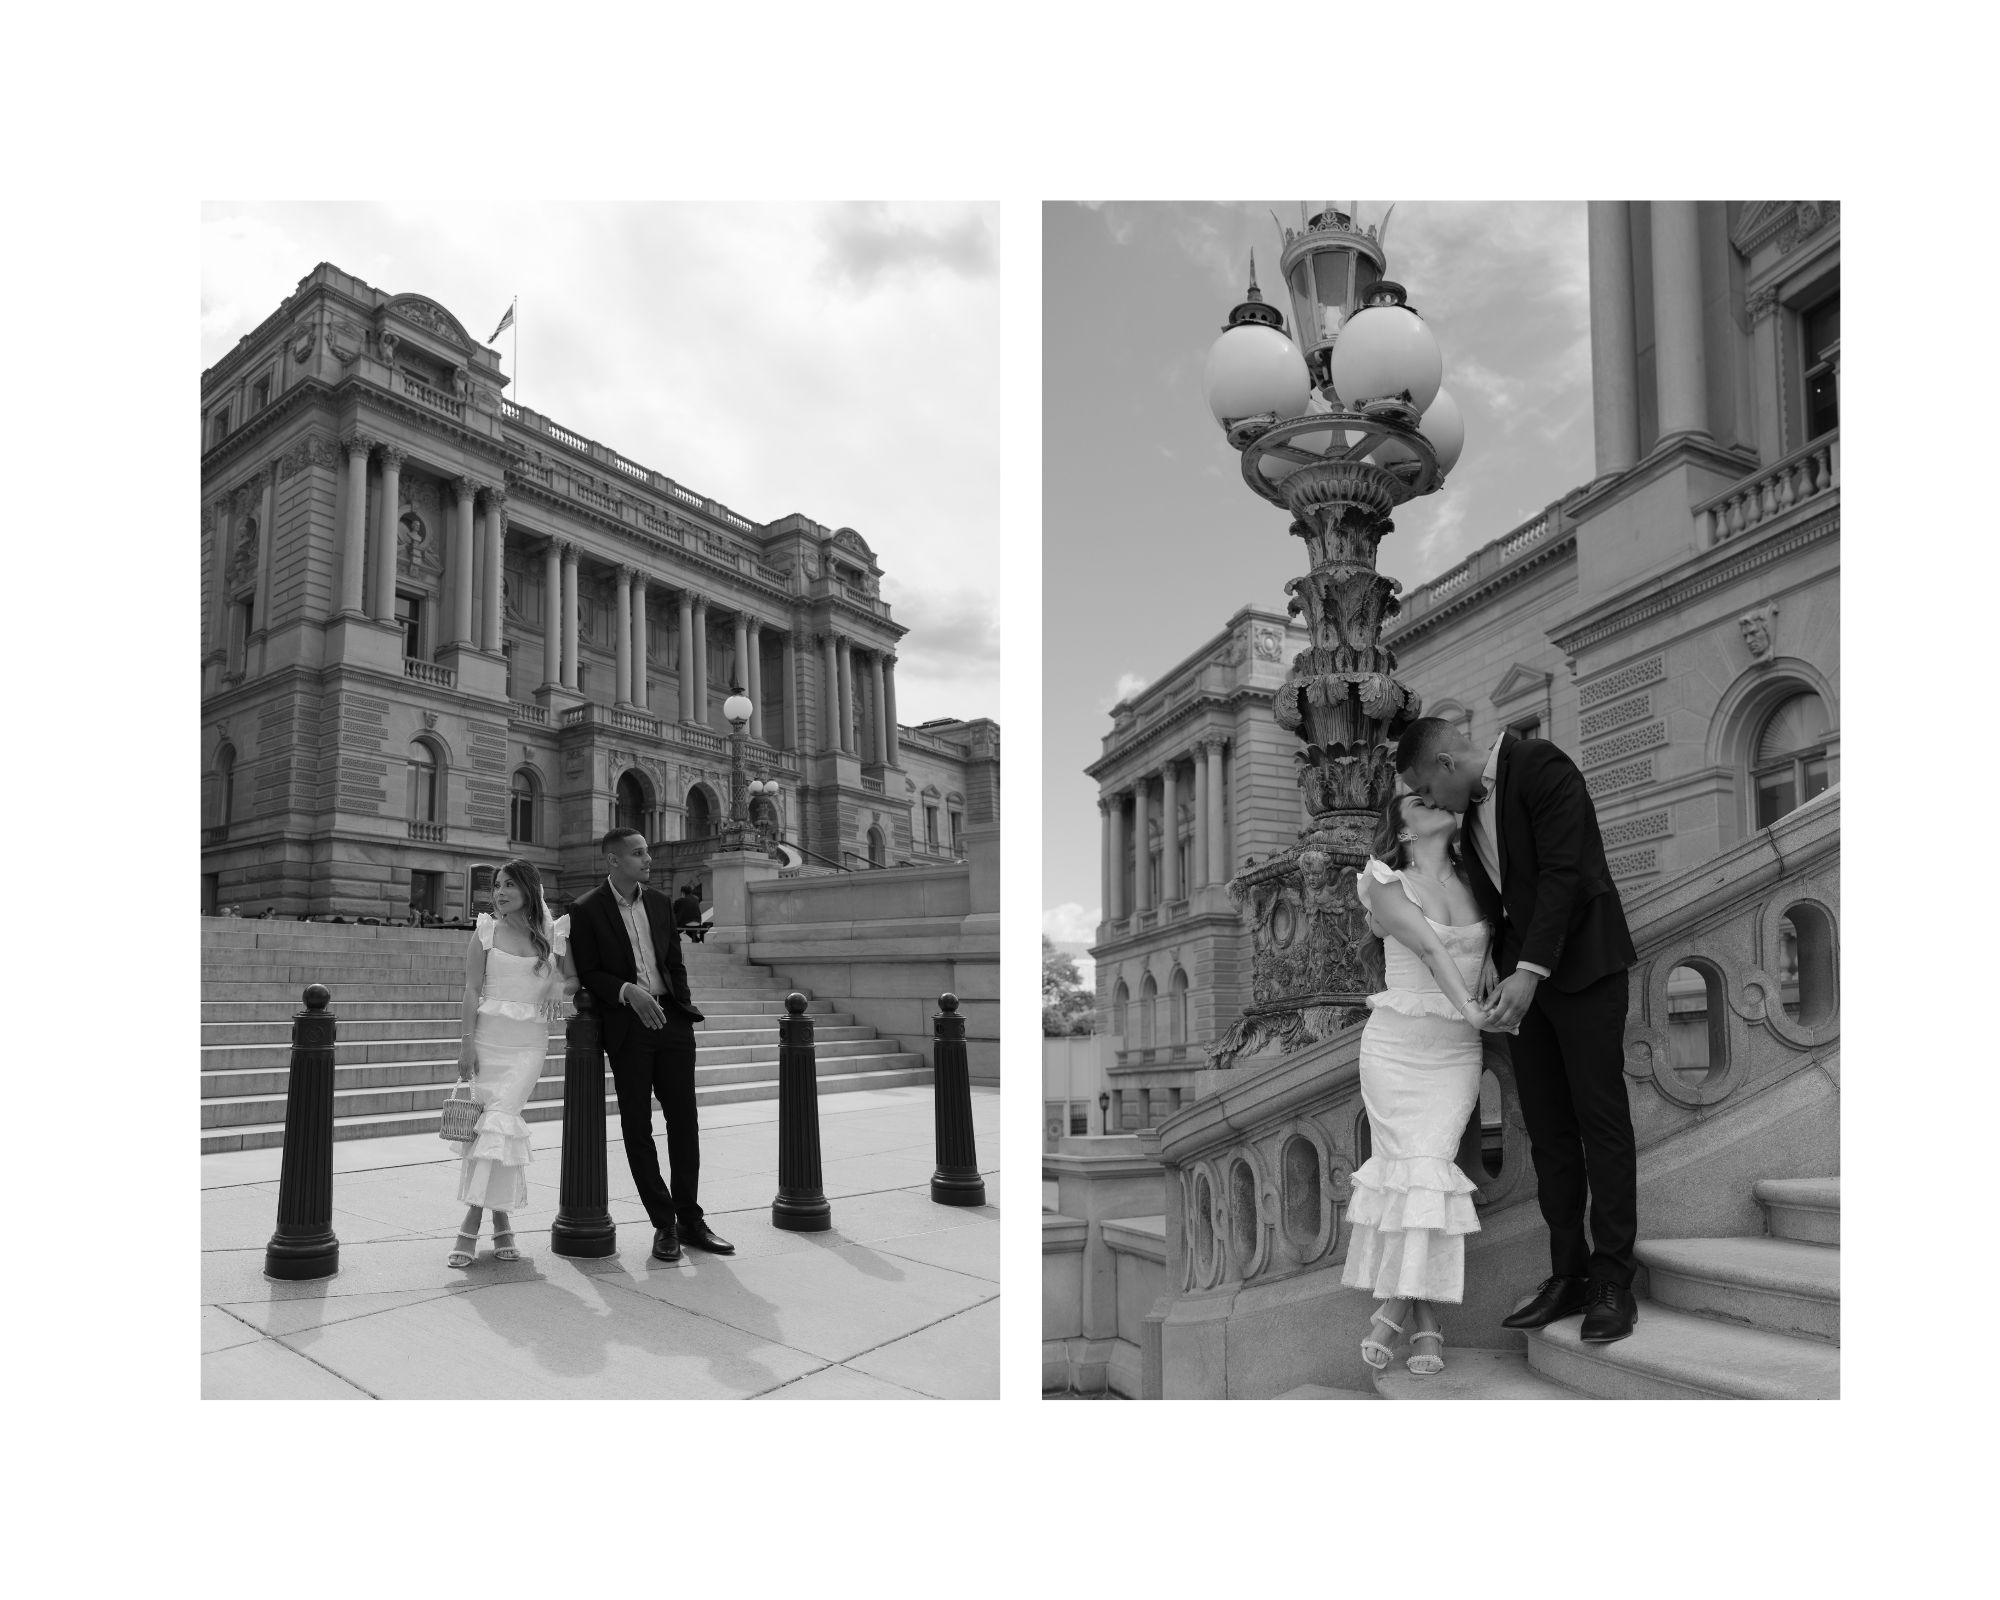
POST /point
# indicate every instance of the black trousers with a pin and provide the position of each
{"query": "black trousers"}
(647, 1063)
(1569, 1067)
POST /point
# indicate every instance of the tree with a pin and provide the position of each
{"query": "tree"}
(1067, 1007)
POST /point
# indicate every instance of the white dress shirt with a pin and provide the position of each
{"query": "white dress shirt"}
(1486, 835)
(640, 932)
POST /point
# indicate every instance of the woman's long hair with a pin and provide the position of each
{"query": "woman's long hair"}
(523, 876)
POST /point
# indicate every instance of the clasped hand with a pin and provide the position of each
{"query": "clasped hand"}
(1507, 1003)
(651, 1013)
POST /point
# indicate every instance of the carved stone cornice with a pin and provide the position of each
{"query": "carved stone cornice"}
(494, 496)
(567, 549)
(314, 450)
(466, 488)
(358, 443)
(1787, 221)
(394, 455)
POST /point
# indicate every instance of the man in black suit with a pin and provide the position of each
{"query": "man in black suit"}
(627, 954)
(687, 914)
(1532, 849)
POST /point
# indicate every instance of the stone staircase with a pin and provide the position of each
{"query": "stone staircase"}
(397, 993)
(1719, 1319)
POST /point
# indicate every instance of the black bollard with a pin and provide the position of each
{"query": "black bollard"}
(957, 1181)
(801, 1204)
(304, 1245)
(583, 1225)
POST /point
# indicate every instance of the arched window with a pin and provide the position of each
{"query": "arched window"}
(1789, 764)
(878, 848)
(630, 808)
(700, 814)
(1149, 994)
(1120, 998)
(423, 796)
(521, 808)
(1177, 1008)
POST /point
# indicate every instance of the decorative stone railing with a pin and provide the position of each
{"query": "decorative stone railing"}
(634, 721)
(1803, 475)
(436, 399)
(427, 832)
(429, 672)
(528, 711)
(1258, 1173)
(659, 482)
(219, 834)
(698, 738)
(1483, 563)
(872, 785)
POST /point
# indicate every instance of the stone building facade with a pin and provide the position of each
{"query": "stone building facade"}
(1673, 624)
(440, 629)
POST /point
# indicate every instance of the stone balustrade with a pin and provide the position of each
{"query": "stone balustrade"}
(427, 832)
(436, 399)
(1258, 1173)
(429, 672)
(1803, 475)
(528, 711)
(1104, 1268)
(1485, 562)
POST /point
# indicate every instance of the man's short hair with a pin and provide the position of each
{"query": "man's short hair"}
(617, 836)
(1422, 740)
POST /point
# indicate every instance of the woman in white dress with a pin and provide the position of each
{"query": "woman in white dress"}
(517, 975)
(1420, 1066)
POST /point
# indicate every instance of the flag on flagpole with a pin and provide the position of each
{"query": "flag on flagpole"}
(507, 321)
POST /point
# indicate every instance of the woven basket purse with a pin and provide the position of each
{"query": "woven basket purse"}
(460, 1116)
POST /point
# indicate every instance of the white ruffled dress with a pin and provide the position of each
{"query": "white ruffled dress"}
(510, 1039)
(1420, 1066)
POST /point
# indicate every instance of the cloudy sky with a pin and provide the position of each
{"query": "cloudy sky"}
(841, 361)
(1150, 538)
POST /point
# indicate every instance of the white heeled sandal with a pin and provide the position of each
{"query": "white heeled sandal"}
(1422, 1364)
(468, 1245)
(505, 1252)
(1377, 1354)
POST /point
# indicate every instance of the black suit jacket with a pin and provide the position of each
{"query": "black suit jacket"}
(1562, 909)
(602, 952)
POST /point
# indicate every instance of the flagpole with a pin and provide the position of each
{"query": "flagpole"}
(517, 349)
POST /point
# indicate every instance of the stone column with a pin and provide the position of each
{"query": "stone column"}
(1221, 858)
(642, 691)
(388, 535)
(1142, 880)
(1614, 354)
(881, 740)
(891, 726)
(1678, 356)
(741, 664)
(754, 684)
(1170, 828)
(701, 659)
(552, 610)
(788, 693)
(267, 501)
(354, 549)
(845, 652)
(1199, 852)
(461, 563)
(687, 656)
(569, 616)
(829, 672)
(496, 571)
(621, 640)
(1105, 844)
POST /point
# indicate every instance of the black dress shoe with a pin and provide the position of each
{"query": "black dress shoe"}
(1611, 1313)
(1555, 1299)
(666, 1245)
(698, 1237)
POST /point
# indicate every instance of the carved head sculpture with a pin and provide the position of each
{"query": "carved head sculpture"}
(1756, 629)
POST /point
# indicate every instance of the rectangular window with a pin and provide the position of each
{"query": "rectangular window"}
(1822, 342)
(930, 826)
(410, 614)
(427, 893)
(260, 395)
(521, 824)
(1526, 728)
(957, 848)
(1079, 1121)
(218, 426)
(1776, 795)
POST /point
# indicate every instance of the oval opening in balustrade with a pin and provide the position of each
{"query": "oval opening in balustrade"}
(1491, 1124)
(1364, 1138)
(1697, 1025)
(1807, 979)
(1204, 1224)
(1243, 1213)
(1302, 1192)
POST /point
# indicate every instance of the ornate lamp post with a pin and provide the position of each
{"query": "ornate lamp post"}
(1339, 433)
(736, 711)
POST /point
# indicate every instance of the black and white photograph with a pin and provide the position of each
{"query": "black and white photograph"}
(1444, 1002)
(600, 801)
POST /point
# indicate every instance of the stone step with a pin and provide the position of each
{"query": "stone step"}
(1779, 1285)
(280, 1010)
(1676, 1355)
(1805, 1209)
(430, 1092)
(441, 1022)
(1472, 1375)
(277, 1059)
(261, 1136)
(1319, 1391)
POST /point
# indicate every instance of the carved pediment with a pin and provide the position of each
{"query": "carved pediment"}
(848, 539)
(1519, 680)
(1787, 221)
(432, 317)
